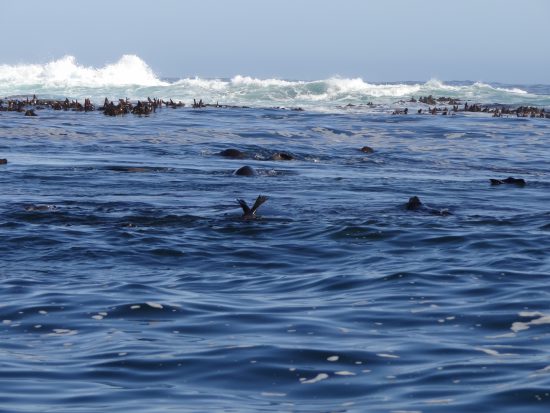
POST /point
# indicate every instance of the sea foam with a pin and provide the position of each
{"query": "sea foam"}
(66, 72)
(132, 77)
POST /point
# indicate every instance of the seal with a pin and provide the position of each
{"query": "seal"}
(509, 180)
(282, 156)
(367, 149)
(232, 153)
(415, 204)
(3, 161)
(250, 213)
(246, 171)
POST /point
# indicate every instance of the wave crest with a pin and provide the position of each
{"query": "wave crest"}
(131, 77)
(66, 72)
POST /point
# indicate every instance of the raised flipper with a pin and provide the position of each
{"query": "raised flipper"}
(244, 206)
(251, 212)
(259, 201)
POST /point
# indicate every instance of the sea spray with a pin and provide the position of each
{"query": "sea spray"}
(66, 72)
(132, 77)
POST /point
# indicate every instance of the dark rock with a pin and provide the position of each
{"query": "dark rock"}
(30, 112)
(3, 161)
(367, 149)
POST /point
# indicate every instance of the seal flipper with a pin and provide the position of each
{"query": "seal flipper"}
(251, 212)
(244, 206)
(259, 201)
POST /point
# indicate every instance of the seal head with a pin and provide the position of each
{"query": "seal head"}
(246, 171)
(413, 204)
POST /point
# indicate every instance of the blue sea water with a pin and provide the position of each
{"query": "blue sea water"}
(130, 281)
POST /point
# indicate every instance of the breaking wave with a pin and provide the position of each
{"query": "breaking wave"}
(132, 77)
(66, 72)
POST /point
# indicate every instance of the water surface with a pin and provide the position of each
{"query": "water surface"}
(130, 282)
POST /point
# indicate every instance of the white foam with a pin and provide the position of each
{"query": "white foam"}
(263, 83)
(514, 90)
(203, 84)
(385, 355)
(154, 305)
(493, 352)
(530, 314)
(540, 372)
(132, 77)
(344, 373)
(520, 325)
(63, 332)
(341, 87)
(316, 379)
(439, 401)
(66, 72)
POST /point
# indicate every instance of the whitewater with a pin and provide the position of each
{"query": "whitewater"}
(133, 78)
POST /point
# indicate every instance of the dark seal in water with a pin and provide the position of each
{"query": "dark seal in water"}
(246, 171)
(233, 153)
(509, 180)
(282, 156)
(415, 204)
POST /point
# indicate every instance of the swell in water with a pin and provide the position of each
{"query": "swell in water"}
(132, 77)
(130, 283)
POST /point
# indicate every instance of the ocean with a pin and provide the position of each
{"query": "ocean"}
(130, 280)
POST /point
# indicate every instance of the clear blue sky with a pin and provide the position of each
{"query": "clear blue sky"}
(486, 40)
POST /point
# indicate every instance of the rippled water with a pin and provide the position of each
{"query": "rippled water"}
(129, 281)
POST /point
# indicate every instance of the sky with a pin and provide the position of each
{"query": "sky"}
(504, 41)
